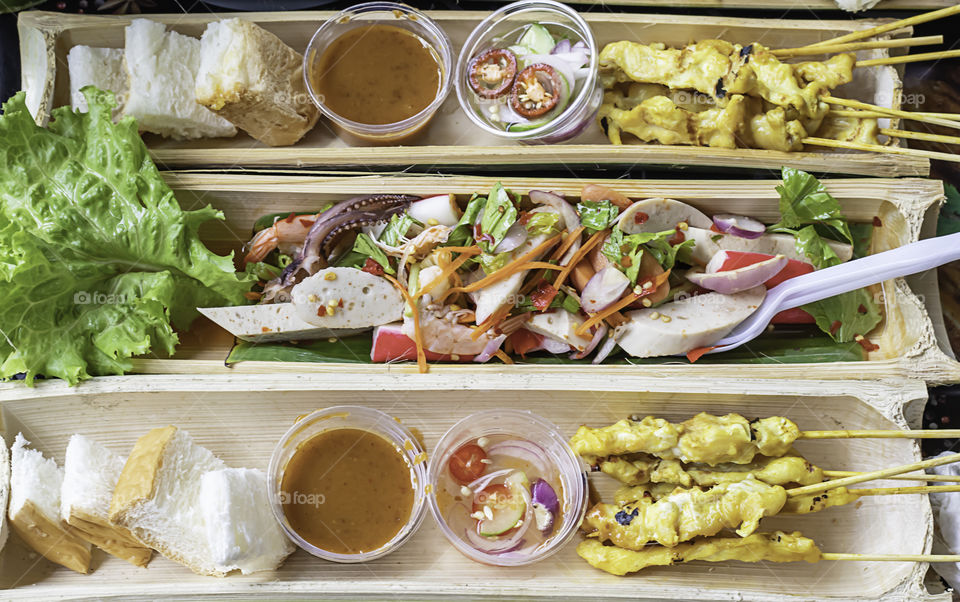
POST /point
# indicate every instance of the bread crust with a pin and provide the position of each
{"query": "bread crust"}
(276, 109)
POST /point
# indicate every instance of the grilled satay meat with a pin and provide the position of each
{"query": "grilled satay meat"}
(705, 438)
(721, 69)
(801, 504)
(639, 469)
(850, 129)
(685, 514)
(772, 547)
(660, 119)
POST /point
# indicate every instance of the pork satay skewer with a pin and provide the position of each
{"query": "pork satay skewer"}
(909, 58)
(868, 114)
(771, 547)
(879, 148)
(873, 475)
(893, 26)
(934, 478)
(920, 136)
(640, 469)
(922, 117)
(882, 434)
(855, 46)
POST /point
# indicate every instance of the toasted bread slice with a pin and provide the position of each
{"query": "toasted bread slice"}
(91, 472)
(34, 511)
(162, 70)
(250, 77)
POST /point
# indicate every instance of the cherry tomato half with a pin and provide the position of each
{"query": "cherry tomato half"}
(465, 463)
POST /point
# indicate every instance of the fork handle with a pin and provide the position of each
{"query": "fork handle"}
(845, 277)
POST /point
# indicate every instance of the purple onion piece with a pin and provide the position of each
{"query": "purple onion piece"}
(735, 281)
(562, 46)
(603, 289)
(516, 235)
(738, 225)
(545, 505)
(605, 350)
(597, 337)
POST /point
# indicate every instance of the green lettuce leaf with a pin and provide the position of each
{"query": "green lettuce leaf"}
(98, 262)
(499, 213)
(625, 250)
(462, 233)
(543, 224)
(596, 215)
(845, 316)
(396, 228)
(492, 263)
(364, 247)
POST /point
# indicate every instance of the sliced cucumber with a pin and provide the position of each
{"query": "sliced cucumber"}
(507, 505)
(553, 114)
(520, 51)
(538, 39)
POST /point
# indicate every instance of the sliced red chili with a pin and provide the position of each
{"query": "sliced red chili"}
(867, 345)
(543, 296)
(876, 221)
(536, 91)
(640, 217)
(677, 238)
(492, 72)
(372, 267)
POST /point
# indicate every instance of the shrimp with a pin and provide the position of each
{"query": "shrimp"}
(286, 234)
(444, 332)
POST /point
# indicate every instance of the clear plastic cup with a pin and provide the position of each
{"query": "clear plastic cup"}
(381, 13)
(528, 426)
(581, 110)
(352, 417)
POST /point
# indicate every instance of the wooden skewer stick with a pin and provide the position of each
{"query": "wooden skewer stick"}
(879, 148)
(891, 557)
(856, 104)
(883, 434)
(873, 475)
(935, 478)
(879, 29)
(920, 136)
(909, 58)
(875, 114)
(907, 490)
(854, 46)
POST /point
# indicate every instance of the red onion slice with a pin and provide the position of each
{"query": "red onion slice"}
(562, 46)
(528, 452)
(597, 337)
(545, 506)
(603, 288)
(738, 225)
(605, 350)
(484, 481)
(516, 235)
(741, 279)
(551, 345)
(492, 347)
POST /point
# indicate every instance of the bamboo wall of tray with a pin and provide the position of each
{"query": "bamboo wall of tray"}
(908, 346)
(240, 418)
(47, 37)
(782, 5)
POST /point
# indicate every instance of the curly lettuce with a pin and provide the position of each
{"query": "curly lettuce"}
(98, 262)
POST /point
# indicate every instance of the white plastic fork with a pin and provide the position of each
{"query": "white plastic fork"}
(814, 286)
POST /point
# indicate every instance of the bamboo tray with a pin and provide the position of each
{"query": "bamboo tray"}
(240, 418)
(452, 140)
(908, 347)
(807, 5)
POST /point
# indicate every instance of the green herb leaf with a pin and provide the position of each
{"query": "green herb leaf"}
(569, 303)
(543, 224)
(815, 248)
(619, 246)
(396, 228)
(597, 215)
(462, 233)
(499, 213)
(841, 316)
(99, 262)
(365, 246)
(804, 201)
(668, 255)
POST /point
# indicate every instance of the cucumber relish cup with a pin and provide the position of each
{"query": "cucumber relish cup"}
(350, 417)
(381, 13)
(491, 33)
(529, 427)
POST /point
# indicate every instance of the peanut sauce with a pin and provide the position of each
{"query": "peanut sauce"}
(347, 491)
(377, 74)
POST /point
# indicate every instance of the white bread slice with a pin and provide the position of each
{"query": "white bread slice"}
(4, 491)
(162, 72)
(158, 497)
(34, 510)
(91, 472)
(100, 67)
(241, 530)
(254, 80)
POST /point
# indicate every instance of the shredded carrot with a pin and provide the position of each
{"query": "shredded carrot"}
(474, 250)
(506, 359)
(541, 265)
(567, 243)
(417, 335)
(624, 301)
(495, 318)
(450, 268)
(517, 265)
(695, 354)
(580, 254)
(615, 319)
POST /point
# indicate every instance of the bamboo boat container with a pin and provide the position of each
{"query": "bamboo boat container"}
(452, 140)
(240, 418)
(908, 345)
(772, 4)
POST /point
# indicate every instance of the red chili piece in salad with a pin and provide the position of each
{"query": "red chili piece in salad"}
(492, 72)
(536, 91)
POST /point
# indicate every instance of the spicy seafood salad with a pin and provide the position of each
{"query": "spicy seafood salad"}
(508, 274)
